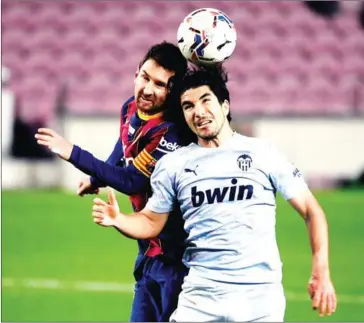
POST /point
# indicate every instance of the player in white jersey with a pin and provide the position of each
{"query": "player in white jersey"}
(226, 186)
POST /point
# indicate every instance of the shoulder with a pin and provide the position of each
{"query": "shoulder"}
(167, 130)
(253, 144)
(175, 159)
(126, 105)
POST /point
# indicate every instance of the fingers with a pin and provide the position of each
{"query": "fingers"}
(98, 209)
(43, 137)
(98, 214)
(316, 300)
(331, 304)
(47, 131)
(43, 143)
(98, 219)
(98, 201)
(323, 304)
(81, 189)
(111, 196)
(43, 140)
(311, 290)
(334, 302)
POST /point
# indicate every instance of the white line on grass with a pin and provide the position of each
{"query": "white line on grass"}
(95, 286)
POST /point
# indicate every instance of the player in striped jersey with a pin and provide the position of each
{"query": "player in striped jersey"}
(149, 129)
(226, 188)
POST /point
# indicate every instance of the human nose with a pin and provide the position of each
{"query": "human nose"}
(148, 89)
(200, 110)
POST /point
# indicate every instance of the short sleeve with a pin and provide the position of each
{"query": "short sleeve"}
(286, 177)
(164, 196)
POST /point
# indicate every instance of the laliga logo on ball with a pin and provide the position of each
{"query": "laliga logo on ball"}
(206, 36)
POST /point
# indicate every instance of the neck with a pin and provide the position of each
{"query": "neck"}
(147, 115)
(224, 135)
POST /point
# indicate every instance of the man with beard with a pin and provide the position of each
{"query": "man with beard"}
(150, 127)
(226, 185)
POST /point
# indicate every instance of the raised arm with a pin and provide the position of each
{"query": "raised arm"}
(145, 224)
(127, 180)
(320, 286)
(90, 185)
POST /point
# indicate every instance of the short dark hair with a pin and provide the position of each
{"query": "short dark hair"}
(168, 56)
(215, 77)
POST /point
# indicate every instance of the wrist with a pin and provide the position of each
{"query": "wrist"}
(320, 270)
(95, 183)
(117, 221)
(69, 152)
(74, 155)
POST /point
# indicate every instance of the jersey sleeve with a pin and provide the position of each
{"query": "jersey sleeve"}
(162, 141)
(117, 154)
(286, 177)
(127, 180)
(164, 196)
(136, 176)
(115, 158)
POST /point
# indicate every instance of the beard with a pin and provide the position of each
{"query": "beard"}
(211, 135)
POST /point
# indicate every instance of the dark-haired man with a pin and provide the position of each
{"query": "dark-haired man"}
(225, 185)
(150, 127)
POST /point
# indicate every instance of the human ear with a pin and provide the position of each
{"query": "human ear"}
(226, 107)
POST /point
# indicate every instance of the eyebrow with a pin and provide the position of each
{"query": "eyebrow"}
(207, 94)
(158, 82)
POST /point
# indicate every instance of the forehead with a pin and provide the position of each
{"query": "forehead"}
(154, 70)
(195, 93)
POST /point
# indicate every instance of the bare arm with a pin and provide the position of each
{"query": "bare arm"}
(320, 286)
(141, 225)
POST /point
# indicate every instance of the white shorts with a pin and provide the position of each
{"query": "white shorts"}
(204, 300)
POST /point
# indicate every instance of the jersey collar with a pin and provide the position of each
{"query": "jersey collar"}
(147, 117)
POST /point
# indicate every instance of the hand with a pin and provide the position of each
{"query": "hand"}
(323, 295)
(54, 142)
(85, 187)
(106, 213)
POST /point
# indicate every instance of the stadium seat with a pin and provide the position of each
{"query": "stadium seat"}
(36, 99)
(98, 95)
(110, 41)
(42, 65)
(82, 16)
(52, 17)
(73, 68)
(283, 50)
(43, 38)
(79, 41)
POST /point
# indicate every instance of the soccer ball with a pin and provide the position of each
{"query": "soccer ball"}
(206, 36)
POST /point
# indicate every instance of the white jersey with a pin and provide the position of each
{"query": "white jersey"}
(227, 197)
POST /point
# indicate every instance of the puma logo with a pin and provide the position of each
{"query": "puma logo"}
(189, 170)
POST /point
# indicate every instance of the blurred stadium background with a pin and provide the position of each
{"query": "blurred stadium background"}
(296, 79)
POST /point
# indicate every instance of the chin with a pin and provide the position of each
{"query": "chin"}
(208, 136)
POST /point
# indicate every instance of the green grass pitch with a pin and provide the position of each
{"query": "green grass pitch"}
(59, 266)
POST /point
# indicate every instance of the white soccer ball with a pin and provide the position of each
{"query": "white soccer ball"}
(206, 36)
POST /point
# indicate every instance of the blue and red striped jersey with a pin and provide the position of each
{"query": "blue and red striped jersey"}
(143, 141)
